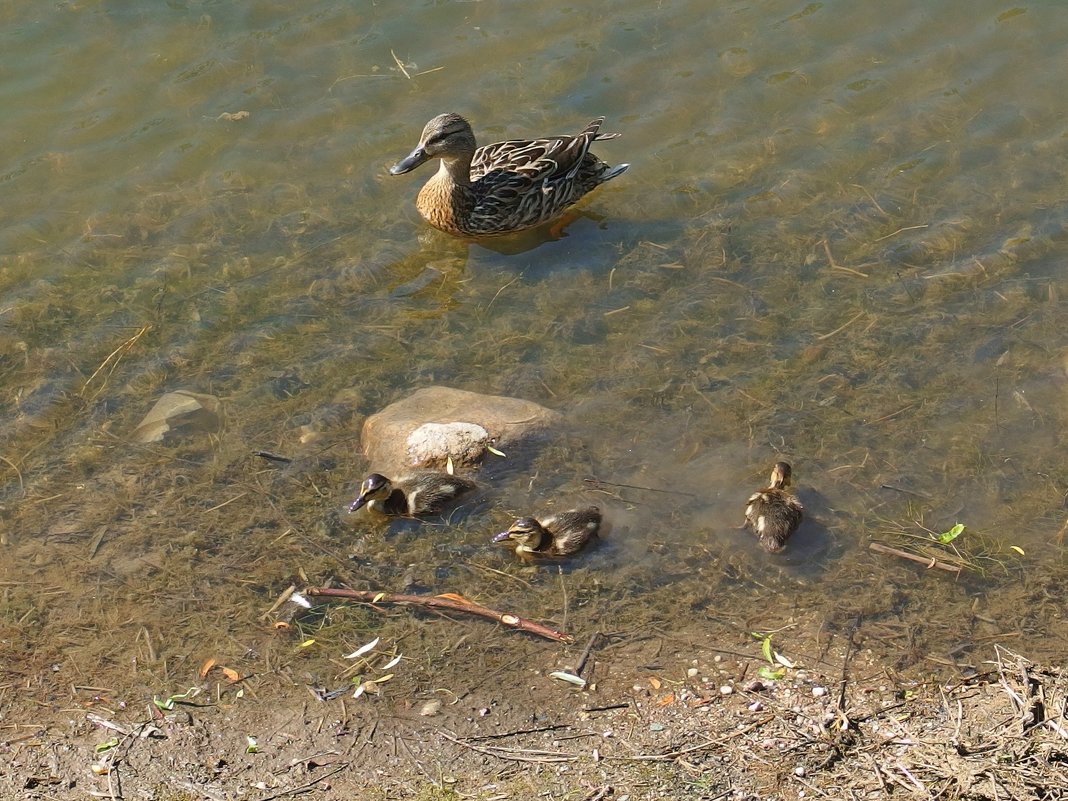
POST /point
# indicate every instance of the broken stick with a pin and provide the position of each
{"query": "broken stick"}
(929, 561)
(451, 602)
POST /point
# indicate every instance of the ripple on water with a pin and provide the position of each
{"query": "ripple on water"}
(840, 243)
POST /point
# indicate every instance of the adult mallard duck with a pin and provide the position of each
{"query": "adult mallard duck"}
(422, 493)
(503, 187)
(773, 513)
(559, 535)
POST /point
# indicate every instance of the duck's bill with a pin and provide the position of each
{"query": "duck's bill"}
(358, 503)
(413, 160)
(501, 537)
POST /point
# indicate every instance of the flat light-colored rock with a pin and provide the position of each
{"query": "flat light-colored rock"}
(465, 442)
(181, 409)
(436, 423)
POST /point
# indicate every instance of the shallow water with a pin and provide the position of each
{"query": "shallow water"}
(841, 242)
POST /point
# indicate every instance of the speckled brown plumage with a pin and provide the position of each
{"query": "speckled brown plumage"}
(506, 186)
(564, 534)
(774, 513)
(424, 492)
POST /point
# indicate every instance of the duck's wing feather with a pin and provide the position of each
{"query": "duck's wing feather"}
(433, 492)
(533, 161)
(521, 183)
(572, 530)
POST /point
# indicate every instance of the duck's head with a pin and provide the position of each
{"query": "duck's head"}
(376, 487)
(780, 475)
(526, 531)
(447, 136)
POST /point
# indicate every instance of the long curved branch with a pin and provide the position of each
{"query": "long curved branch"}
(451, 602)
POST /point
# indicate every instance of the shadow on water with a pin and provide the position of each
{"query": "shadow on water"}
(580, 229)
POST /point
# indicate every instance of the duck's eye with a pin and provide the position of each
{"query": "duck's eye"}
(441, 136)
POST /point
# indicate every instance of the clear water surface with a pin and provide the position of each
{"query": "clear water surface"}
(842, 242)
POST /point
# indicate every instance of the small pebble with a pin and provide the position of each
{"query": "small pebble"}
(717, 658)
(726, 689)
(692, 672)
(656, 727)
(755, 686)
(799, 770)
(756, 706)
(819, 692)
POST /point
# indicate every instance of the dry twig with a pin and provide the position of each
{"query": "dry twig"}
(450, 602)
(513, 754)
(923, 560)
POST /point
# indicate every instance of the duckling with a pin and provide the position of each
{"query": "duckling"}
(425, 492)
(564, 534)
(773, 513)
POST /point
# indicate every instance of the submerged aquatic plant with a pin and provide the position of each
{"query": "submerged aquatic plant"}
(946, 550)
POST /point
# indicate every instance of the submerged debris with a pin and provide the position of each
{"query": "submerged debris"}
(190, 411)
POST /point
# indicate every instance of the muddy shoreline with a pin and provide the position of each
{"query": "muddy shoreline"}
(471, 712)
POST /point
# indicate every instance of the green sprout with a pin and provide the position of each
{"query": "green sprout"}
(107, 745)
(947, 537)
(771, 673)
(167, 704)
